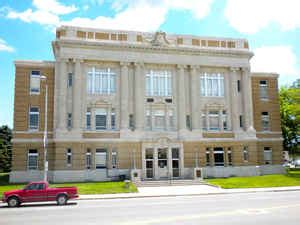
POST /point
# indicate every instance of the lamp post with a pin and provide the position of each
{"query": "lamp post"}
(45, 129)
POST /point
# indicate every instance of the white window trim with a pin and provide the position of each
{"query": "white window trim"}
(267, 119)
(71, 157)
(37, 161)
(34, 113)
(214, 76)
(88, 153)
(158, 76)
(107, 72)
(34, 75)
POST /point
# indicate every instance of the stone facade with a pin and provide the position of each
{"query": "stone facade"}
(109, 114)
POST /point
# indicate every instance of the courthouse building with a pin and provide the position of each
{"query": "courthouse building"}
(157, 104)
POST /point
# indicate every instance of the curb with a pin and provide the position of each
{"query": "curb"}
(179, 195)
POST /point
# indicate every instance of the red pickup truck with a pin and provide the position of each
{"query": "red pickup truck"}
(39, 192)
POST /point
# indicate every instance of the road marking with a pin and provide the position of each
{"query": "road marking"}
(208, 215)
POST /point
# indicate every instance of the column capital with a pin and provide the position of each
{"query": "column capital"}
(195, 67)
(62, 60)
(234, 69)
(78, 60)
(181, 66)
(124, 64)
(139, 64)
(246, 69)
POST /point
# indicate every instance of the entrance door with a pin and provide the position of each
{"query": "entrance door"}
(163, 162)
(175, 162)
(149, 163)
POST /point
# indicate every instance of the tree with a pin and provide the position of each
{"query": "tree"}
(5, 148)
(290, 118)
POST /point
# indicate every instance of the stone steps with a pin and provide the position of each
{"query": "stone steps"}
(159, 183)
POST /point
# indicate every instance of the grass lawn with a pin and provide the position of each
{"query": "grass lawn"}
(83, 188)
(292, 178)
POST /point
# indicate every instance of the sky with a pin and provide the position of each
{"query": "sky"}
(272, 27)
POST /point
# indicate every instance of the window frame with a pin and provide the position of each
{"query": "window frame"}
(246, 154)
(158, 83)
(88, 159)
(265, 119)
(69, 157)
(101, 81)
(263, 90)
(32, 113)
(31, 154)
(269, 151)
(30, 82)
(212, 85)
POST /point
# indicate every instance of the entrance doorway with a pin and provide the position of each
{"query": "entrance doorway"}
(149, 163)
(163, 171)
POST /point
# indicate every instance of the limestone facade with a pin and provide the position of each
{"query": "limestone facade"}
(156, 103)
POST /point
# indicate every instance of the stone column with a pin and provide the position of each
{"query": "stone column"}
(156, 174)
(207, 119)
(77, 86)
(181, 98)
(143, 163)
(170, 172)
(195, 96)
(221, 127)
(247, 99)
(234, 100)
(124, 96)
(139, 93)
(62, 117)
(181, 161)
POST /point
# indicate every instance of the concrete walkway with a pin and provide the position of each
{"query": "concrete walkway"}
(168, 191)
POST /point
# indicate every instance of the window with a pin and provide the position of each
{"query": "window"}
(171, 120)
(88, 119)
(32, 162)
(207, 155)
(213, 120)
(69, 157)
(224, 120)
(100, 116)
(246, 154)
(114, 159)
(101, 81)
(263, 89)
(238, 85)
(219, 156)
(212, 85)
(265, 121)
(69, 122)
(35, 186)
(159, 119)
(229, 157)
(70, 79)
(88, 159)
(204, 124)
(35, 79)
(188, 122)
(267, 155)
(100, 158)
(148, 119)
(159, 83)
(34, 118)
(113, 119)
(241, 121)
(131, 121)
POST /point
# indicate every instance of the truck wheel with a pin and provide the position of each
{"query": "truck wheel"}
(13, 202)
(61, 200)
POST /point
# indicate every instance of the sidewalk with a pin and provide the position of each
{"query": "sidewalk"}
(172, 191)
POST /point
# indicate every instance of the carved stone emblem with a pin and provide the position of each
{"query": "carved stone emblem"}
(159, 39)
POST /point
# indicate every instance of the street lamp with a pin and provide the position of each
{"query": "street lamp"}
(45, 129)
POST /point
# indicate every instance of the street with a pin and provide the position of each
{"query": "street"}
(252, 208)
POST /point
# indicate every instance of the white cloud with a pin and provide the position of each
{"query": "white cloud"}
(142, 15)
(250, 16)
(46, 12)
(4, 47)
(278, 59)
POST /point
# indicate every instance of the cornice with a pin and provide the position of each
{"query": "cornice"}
(34, 63)
(149, 48)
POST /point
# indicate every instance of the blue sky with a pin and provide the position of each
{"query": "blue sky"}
(27, 29)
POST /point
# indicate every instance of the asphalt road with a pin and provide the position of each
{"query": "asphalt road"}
(255, 208)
